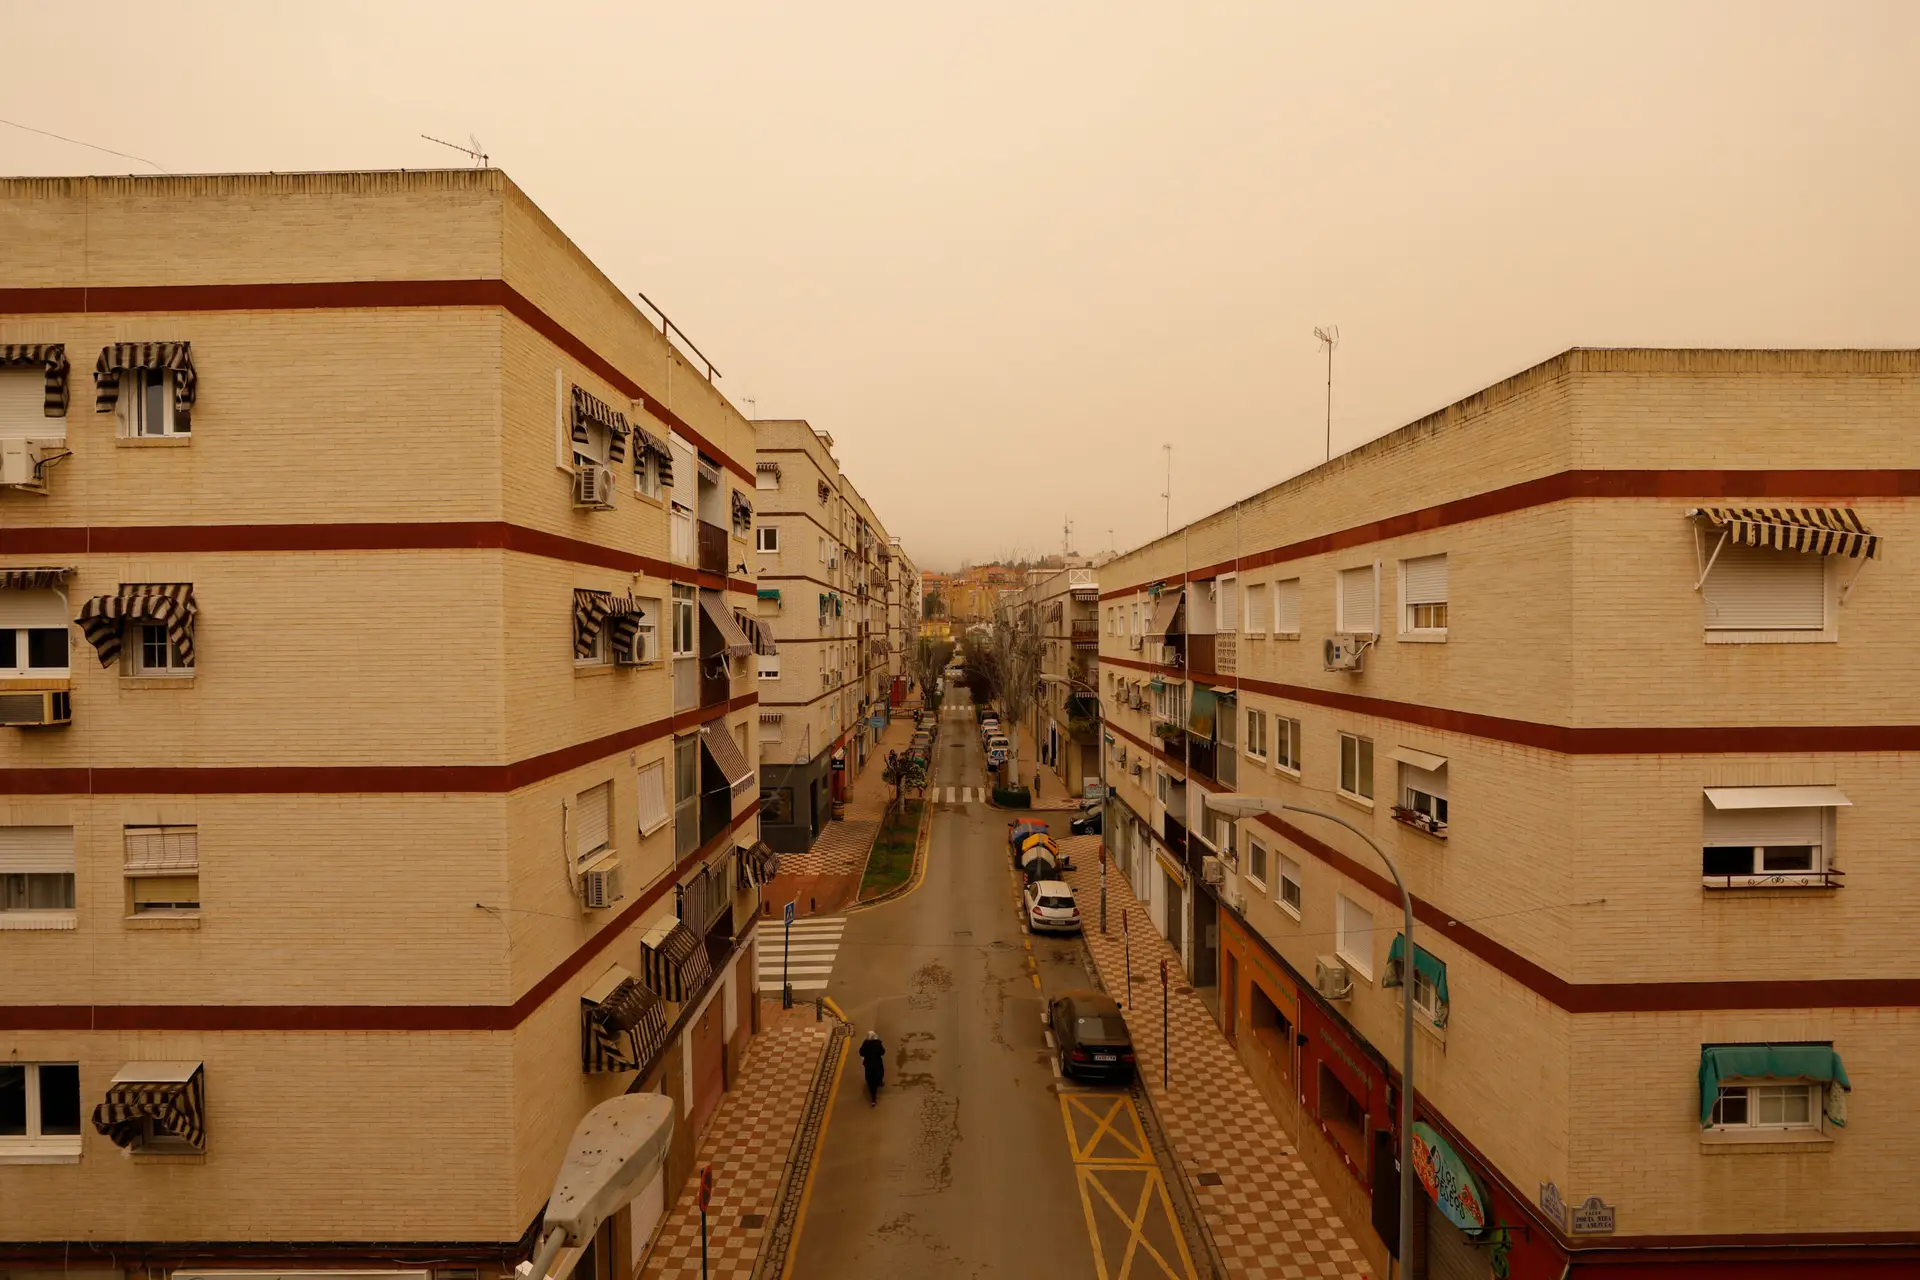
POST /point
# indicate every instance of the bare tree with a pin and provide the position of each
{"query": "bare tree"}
(1015, 659)
(926, 659)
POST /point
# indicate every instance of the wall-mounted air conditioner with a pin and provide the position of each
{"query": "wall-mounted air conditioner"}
(600, 886)
(593, 486)
(32, 708)
(1331, 979)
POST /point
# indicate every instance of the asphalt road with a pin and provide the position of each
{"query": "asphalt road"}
(964, 1167)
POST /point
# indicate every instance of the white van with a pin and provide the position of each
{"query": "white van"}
(998, 748)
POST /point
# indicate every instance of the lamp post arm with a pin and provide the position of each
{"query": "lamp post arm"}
(1406, 1034)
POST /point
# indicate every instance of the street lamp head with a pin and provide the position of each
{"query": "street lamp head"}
(1239, 806)
(616, 1148)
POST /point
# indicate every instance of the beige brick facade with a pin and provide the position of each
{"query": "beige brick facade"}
(385, 737)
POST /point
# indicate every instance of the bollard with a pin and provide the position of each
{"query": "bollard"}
(817, 1007)
(813, 905)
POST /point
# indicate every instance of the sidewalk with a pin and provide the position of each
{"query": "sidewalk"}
(1267, 1216)
(747, 1143)
(1053, 797)
(827, 877)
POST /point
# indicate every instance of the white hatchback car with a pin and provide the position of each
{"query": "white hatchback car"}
(1051, 908)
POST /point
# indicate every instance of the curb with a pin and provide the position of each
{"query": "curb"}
(772, 1261)
(922, 841)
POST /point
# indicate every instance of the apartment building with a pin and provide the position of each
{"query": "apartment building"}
(1060, 609)
(1613, 660)
(374, 784)
(829, 590)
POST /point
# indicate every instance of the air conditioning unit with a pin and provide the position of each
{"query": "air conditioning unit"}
(1346, 653)
(1212, 870)
(1169, 656)
(30, 708)
(1331, 979)
(593, 486)
(600, 886)
(1238, 901)
(633, 653)
(1135, 642)
(20, 464)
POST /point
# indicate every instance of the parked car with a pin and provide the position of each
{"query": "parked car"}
(998, 749)
(1088, 821)
(1091, 1034)
(1051, 908)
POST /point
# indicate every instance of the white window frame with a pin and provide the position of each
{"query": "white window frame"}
(646, 473)
(1256, 744)
(134, 906)
(766, 539)
(174, 665)
(35, 1146)
(1761, 876)
(1287, 874)
(1351, 944)
(602, 652)
(1344, 625)
(53, 856)
(1410, 628)
(768, 666)
(1428, 1008)
(1358, 741)
(1259, 868)
(680, 523)
(766, 481)
(1286, 590)
(823, 550)
(1286, 745)
(131, 408)
(585, 858)
(596, 450)
(659, 769)
(1756, 1091)
(20, 669)
(1226, 601)
(685, 620)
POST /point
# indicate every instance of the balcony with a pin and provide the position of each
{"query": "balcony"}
(1082, 728)
(716, 689)
(713, 548)
(1201, 756)
(1086, 635)
(686, 683)
(1425, 822)
(1175, 836)
(1226, 653)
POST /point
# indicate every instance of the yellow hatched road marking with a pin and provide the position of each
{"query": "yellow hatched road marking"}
(1103, 1126)
(1112, 1116)
(1136, 1223)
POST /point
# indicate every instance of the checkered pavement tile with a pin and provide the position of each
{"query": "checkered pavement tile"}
(747, 1144)
(842, 849)
(1268, 1217)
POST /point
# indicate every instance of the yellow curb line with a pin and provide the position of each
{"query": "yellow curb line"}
(833, 1008)
(819, 1155)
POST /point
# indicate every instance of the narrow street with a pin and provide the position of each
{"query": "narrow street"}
(977, 1161)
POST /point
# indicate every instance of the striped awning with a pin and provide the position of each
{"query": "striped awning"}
(676, 965)
(758, 633)
(731, 636)
(726, 756)
(103, 619)
(625, 617)
(170, 1095)
(125, 357)
(51, 356)
(589, 410)
(1824, 531)
(709, 469)
(590, 611)
(759, 864)
(623, 1029)
(767, 468)
(32, 579)
(649, 443)
(1166, 612)
(742, 510)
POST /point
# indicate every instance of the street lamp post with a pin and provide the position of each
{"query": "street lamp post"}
(1245, 806)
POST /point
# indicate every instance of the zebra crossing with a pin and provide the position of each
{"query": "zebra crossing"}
(809, 963)
(958, 795)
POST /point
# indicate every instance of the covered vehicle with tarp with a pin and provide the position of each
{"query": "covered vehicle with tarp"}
(1017, 832)
(1041, 862)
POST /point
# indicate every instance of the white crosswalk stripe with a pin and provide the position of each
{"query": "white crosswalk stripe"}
(808, 953)
(961, 795)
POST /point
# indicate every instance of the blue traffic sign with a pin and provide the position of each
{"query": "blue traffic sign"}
(789, 913)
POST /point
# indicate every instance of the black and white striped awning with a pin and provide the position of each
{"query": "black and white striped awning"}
(1824, 531)
(758, 633)
(732, 638)
(759, 864)
(32, 579)
(676, 966)
(767, 469)
(649, 443)
(171, 1096)
(125, 357)
(590, 610)
(742, 510)
(103, 619)
(590, 410)
(51, 356)
(623, 1029)
(727, 756)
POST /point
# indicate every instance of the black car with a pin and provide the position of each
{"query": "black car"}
(1088, 823)
(1092, 1036)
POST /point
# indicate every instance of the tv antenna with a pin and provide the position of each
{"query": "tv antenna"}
(475, 152)
(1329, 337)
(1066, 538)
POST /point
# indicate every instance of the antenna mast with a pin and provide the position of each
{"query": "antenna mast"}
(1329, 337)
(475, 152)
(1167, 492)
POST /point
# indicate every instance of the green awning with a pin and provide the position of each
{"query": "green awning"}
(770, 593)
(1156, 684)
(1200, 711)
(1426, 964)
(1815, 1062)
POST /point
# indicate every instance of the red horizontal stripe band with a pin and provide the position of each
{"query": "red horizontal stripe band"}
(352, 295)
(1560, 487)
(1595, 997)
(1569, 740)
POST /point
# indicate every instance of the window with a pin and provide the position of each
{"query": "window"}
(823, 551)
(155, 654)
(1741, 1105)
(1426, 998)
(681, 521)
(646, 472)
(597, 654)
(1423, 593)
(1257, 862)
(36, 877)
(592, 823)
(1256, 733)
(1133, 628)
(1767, 836)
(769, 666)
(1289, 886)
(163, 870)
(1286, 743)
(1358, 605)
(1423, 791)
(23, 412)
(39, 1109)
(1257, 615)
(686, 795)
(646, 630)
(1344, 1115)
(766, 476)
(766, 540)
(1227, 597)
(146, 405)
(776, 806)
(1353, 935)
(683, 622)
(1286, 607)
(1753, 589)
(772, 726)
(33, 633)
(598, 444)
(654, 812)
(1356, 766)
(1163, 786)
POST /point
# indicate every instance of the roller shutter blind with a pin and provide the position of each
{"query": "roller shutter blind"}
(1357, 601)
(32, 608)
(1765, 826)
(654, 811)
(23, 406)
(30, 849)
(1431, 781)
(593, 820)
(1427, 580)
(1754, 589)
(1257, 616)
(1286, 605)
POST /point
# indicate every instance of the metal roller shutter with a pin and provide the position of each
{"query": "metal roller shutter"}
(1427, 580)
(29, 849)
(23, 406)
(1752, 589)
(593, 819)
(1357, 601)
(1450, 1255)
(1286, 605)
(1764, 826)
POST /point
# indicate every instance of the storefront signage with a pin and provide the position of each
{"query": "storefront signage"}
(1591, 1217)
(1448, 1180)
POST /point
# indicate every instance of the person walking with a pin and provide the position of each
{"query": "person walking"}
(1036, 784)
(873, 1056)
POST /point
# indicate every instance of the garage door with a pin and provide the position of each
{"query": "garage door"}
(1450, 1255)
(709, 1066)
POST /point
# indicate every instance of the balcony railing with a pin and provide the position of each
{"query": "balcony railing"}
(716, 686)
(713, 548)
(1419, 821)
(1778, 880)
(1086, 637)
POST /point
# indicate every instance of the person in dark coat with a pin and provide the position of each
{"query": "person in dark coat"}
(873, 1055)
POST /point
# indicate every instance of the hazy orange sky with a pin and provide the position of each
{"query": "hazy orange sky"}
(1005, 252)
